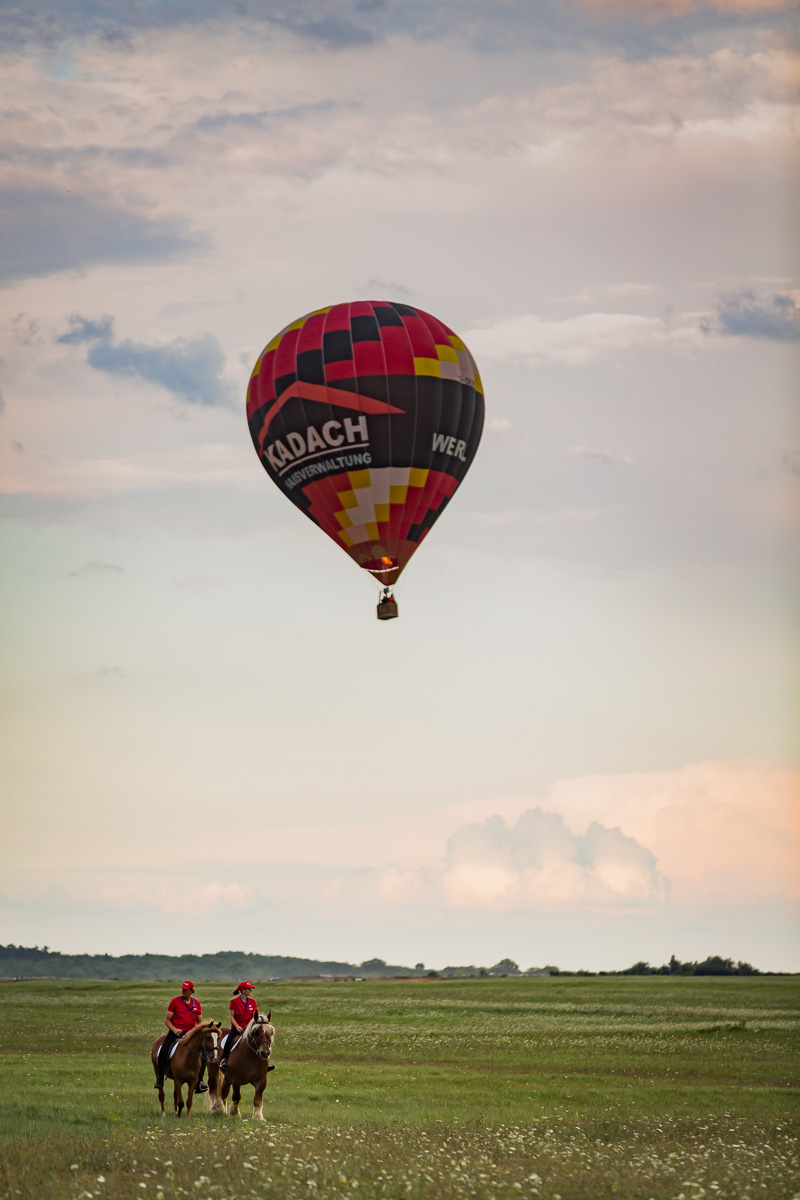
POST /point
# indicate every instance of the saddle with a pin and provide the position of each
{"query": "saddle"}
(228, 1042)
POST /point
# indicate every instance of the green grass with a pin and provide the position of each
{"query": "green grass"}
(626, 1087)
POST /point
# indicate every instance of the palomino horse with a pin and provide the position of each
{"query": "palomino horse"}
(196, 1047)
(248, 1062)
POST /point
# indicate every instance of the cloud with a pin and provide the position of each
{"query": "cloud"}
(198, 583)
(575, 341)
(208, 898)
(604, 456)
(592, 292)
(539, 863)
(774, 318)
(533, 864)
(723, 832)
(336, 33)
(206, 464)
(662, 9)
(188, 369)
(382, 287)
(179, 899)
(257, 120)
(87, 331)
(498, 426)
(114, 25)
(94, 568)
(43, 231)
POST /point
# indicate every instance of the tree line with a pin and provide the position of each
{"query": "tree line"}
(34, 962)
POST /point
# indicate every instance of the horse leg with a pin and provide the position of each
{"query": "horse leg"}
(235, 1098)
(178, 1098)
(154, 1061)
(189, 1096)
(258, 1099)
(213, 1089)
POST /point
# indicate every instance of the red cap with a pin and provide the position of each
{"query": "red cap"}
(244, 983)
(187, 985)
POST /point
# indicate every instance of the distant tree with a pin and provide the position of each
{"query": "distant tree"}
(506, 966)
(432, 974)
(638, 968)
(553, 970)
(714, 965)
(373, 964)
(674, 965)
(483, 972)
(419, 967)
(746, 968)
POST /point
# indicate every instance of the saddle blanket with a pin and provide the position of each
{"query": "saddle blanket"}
(224, 1043)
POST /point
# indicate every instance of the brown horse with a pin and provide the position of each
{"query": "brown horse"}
(248, 1062)
(196, 1047)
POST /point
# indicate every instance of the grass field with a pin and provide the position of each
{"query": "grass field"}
(556, 1088)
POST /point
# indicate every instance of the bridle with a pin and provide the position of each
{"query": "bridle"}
(264, 1049)
(205, 1054)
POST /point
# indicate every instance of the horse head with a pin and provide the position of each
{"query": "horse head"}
(209, 1040)
(260, 1034)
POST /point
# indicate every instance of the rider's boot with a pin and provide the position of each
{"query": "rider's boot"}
(159, 1083)
(231, 1045)
(201, 1087)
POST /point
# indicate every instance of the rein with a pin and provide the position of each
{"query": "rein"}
(254, 1049)
(202, 1053)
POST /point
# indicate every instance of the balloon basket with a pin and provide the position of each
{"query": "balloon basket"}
(387, 607)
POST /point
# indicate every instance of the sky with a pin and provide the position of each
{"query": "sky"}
(578, 744)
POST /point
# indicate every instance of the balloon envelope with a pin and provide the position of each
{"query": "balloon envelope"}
(367, 416)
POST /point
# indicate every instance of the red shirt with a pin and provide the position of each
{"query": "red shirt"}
(243, 1010)
(184, 1013)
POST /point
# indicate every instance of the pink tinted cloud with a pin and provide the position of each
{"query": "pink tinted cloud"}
(661, 8)
(722, 831)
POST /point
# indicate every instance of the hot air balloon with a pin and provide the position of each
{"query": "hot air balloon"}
(367, 416)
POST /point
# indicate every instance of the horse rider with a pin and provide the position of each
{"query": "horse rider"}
(243, 1008)
(183, 1013)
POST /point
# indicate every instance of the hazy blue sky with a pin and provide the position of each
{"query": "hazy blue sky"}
(579, 743)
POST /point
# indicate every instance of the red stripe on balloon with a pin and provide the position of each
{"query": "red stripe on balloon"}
(300, 390)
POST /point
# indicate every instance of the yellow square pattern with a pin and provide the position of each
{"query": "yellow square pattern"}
(359, 479)
(427, 366)
(447, 353)
(417, 477)
(343, 519)
(372, 530)
(345, 536)
(382, 513)
(397, 494)
(347, 499)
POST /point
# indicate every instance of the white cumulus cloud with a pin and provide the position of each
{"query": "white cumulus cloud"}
(576, 341)
(539, 863)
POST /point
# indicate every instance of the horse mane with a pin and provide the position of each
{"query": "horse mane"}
(192, 1034)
